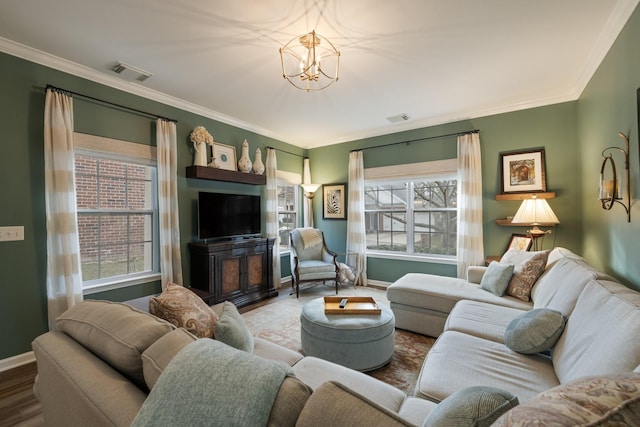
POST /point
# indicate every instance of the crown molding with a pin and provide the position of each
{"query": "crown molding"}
(39, 57)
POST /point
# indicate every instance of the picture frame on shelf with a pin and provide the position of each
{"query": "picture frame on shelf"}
(334, 201)
(522, 242)
(523, 171)
(224, 156)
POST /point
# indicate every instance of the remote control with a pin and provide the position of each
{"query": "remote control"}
(343, 303)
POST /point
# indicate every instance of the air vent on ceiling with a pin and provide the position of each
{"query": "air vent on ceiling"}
(398, 118)
(130, 73)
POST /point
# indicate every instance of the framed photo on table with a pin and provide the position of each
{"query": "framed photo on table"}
(523, 171)
(521, 242)
(333, 201)
(224, 157)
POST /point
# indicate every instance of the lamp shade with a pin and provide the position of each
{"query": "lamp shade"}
(310, 188)
(535, 211)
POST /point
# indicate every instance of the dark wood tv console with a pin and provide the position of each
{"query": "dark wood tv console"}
(238, 270)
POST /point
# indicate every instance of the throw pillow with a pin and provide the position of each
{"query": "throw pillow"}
(473, 406)
(496, 278)
(231, 329)
(528, 266)
(535, 331)
(183, 308)
(612, 400)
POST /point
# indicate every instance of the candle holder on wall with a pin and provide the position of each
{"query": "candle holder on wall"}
(610, 186)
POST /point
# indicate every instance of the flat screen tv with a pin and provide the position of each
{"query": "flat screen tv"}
(222, 215)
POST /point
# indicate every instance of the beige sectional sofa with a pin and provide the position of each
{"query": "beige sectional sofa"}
(106, 361)
(602, 323)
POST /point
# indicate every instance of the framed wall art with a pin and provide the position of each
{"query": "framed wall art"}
(224, 157)
(333, 201)
(522, 242)
(523, 171)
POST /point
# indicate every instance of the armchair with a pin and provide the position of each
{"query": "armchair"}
(311, 260)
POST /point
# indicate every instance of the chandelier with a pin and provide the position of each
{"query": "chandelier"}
(310, 62)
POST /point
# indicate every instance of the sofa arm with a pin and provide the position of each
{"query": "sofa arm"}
(333, 404)
(475, 273)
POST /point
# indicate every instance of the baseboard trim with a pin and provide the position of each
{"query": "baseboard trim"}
(378, 284)
(16, 361)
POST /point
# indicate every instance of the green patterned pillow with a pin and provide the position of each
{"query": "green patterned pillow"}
(535, 331)
(473, 406)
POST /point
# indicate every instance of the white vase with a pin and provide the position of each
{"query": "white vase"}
(200, 158)
(258, 166)
(244, 164)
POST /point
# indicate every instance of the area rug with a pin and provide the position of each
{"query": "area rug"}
(279, 321)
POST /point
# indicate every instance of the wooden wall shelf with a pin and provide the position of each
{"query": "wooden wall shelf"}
(215, 174)
(522, 196)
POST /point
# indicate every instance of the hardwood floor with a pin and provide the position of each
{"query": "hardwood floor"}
(18, 404)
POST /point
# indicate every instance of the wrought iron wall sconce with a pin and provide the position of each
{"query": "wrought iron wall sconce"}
(610, 186)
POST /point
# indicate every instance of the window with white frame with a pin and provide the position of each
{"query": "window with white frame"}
(116, 196)
(288, 205)
(412, 209)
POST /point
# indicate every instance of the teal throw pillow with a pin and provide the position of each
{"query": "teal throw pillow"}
(496, 278)
(231, 329)
(535, 331)
(473, 407)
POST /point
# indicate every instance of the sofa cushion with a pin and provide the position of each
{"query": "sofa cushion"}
(292, 397)
(314, 372)
(184, 309)
(560, 285)
(231, 329)
(496, 278)
(488, 321)
(528, 266)
(334, 404)
(535, 331)
(117, 333)
(594, 401)
(160, 353)
(596, 338)
(457, 361)
(477, 406)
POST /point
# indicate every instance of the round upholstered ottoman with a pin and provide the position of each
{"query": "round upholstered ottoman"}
(358, 341)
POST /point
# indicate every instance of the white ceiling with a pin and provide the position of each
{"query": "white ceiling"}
(437, 61)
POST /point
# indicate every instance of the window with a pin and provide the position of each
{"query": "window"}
(287, 212)
(288, 205)
(414, 215)
(117, 218)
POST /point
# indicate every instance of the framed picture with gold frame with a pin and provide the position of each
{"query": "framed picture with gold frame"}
(521, 242)
(224, 156)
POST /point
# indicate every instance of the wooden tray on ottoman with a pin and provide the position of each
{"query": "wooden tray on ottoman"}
(355, 305)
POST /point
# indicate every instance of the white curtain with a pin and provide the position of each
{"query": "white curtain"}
(272, 212)
(308, 203)
(470, 240)
(170, 259)
(64, 275)
(356, 237)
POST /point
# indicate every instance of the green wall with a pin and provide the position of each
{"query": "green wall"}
(606, 107)
(551, 127)
(23, 307)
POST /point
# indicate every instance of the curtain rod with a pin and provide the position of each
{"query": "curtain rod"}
(416, 140)
(288, 152)
(110, 103)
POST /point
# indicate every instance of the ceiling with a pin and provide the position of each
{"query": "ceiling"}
(435, 61)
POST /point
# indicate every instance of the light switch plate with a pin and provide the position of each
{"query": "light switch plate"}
(8, 234)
